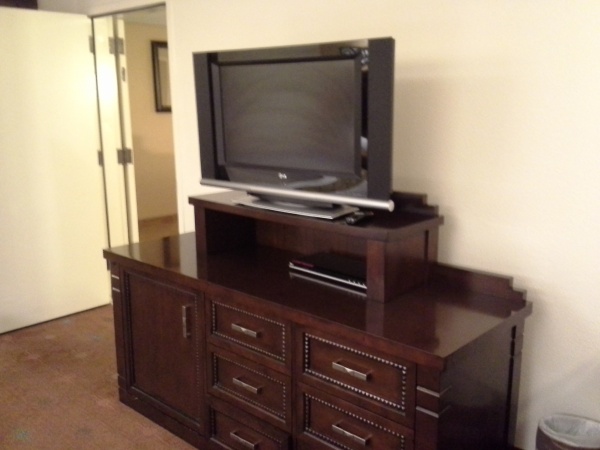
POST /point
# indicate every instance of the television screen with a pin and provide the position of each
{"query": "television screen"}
(291, 115)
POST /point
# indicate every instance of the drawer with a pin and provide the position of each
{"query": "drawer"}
(232, 429)
(361, 374)
(240, 328)
(254, 388)
(326, 421)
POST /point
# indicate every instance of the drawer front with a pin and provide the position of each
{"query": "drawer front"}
(327, 421)
(380, 383)
(260, 334)
(233, 430)
(254, 388)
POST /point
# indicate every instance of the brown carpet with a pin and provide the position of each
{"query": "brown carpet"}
(58, 390)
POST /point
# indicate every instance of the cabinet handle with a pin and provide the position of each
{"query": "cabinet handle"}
(233, 435)
(248, 387)
(352, 436)
(184, 321)
(355, 373)
(246, 331)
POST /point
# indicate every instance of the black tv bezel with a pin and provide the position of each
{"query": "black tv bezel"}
(379, 116)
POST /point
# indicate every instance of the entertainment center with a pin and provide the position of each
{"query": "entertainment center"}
(266, 330)
(219, 344)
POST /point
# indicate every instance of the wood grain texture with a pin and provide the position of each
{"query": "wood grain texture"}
(429, 360)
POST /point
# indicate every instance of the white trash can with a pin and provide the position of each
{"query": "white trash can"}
(567, 432)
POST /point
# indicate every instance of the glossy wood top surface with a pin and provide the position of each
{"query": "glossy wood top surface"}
(436, 320)
(408, 216)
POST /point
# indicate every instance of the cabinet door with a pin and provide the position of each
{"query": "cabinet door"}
(165, 342)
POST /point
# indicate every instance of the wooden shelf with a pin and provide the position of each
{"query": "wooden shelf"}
(397, 247)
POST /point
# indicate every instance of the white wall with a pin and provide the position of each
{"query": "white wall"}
(496, 118)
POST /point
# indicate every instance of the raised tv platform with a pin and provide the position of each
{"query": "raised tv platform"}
(396, 247)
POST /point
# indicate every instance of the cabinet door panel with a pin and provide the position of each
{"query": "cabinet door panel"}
(164, 344)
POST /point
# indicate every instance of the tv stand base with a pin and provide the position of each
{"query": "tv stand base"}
(329, 213)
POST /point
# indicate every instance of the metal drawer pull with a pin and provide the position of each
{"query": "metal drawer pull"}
(116, 290)
(184, 322)
(246, 331)
(354, 437)
(355, 373)
(248, 387)
(242, 441)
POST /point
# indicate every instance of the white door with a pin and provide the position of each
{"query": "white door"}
(115, 131)
(52, 219)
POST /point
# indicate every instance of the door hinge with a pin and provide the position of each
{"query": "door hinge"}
(92, 45)
(116, 45)
(124, 156)
(100, 158)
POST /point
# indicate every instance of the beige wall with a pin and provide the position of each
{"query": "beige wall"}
(496, 118)
(152, 131)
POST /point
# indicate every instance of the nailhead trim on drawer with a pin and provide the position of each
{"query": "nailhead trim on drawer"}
(244, 344)
(307, 427)
(401, 406)
(213, 426)
(237, 394)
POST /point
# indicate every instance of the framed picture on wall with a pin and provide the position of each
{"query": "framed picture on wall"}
(160, 66)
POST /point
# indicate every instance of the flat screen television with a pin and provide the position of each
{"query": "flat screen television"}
(300, 128)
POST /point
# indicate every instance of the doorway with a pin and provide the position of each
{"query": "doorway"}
(145, 163)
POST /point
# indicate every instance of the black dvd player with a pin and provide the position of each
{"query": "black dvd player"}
(333, 268)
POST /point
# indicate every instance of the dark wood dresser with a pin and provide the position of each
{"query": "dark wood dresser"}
(220, 343)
